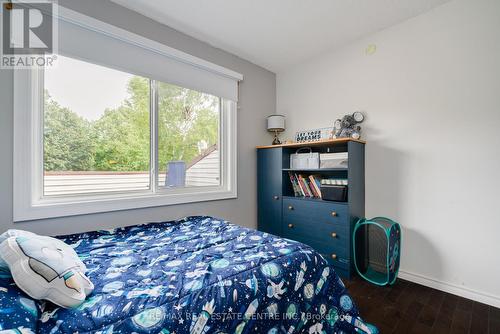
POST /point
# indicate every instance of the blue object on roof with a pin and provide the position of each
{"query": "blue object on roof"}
(176, 174)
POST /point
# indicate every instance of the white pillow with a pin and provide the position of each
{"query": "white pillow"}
(46, 268)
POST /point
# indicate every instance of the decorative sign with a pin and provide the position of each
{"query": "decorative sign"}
(314, 135)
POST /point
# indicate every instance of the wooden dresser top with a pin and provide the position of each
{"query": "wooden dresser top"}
(315, 143)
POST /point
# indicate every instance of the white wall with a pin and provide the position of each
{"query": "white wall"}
(431, 93)
(257, 99)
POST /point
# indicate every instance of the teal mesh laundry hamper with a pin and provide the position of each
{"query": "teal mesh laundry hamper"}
(377, 249)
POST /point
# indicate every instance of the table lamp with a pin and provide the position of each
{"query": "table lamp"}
(276, 124)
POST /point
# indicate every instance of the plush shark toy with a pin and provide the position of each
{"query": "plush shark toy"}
(45, 268)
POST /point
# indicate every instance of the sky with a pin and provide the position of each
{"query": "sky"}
(85, 88)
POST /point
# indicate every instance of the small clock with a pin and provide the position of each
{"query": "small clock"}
(358, 116)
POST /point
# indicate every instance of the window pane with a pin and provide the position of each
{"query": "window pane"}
(188, 137)
(96, 130)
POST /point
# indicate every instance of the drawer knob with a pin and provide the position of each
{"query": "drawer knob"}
(290, 225)
(334, 235)
(334, 214)
(276, 197)
(290, 207)
(334, 256)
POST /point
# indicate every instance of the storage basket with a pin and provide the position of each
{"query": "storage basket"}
(377, 249)
(308, 160)
(334, 160)
(333, 193)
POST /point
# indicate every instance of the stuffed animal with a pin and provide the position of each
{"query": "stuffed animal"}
(348, 127)
(4, 268)
(45, 268)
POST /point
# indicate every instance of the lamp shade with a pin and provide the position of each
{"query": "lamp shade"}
(276, 123)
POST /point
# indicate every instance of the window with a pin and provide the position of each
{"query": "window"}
(94, 136)
(188, 137)
(96, 130)
(97, 135)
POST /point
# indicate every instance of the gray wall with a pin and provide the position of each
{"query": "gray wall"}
(257, 100)
(431, 93)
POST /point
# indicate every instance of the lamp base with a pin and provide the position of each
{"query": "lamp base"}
(276, 140)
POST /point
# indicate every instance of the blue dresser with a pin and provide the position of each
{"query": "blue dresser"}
(326, 226)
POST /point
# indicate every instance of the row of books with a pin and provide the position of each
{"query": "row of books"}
(305, 186)
(335, 182)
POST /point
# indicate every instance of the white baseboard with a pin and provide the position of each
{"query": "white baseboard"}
(454, 289)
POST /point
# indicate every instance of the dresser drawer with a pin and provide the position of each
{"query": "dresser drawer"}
(333, 233)
(333, 253)
(317, 219)
(316, 211)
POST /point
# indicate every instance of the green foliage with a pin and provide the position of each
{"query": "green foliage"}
(185, 119)
(120, 139)
(122, 135)
(67, 139)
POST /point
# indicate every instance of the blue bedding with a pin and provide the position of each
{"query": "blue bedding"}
(197, 275)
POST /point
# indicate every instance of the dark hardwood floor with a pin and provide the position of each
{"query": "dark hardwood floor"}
(407, 307)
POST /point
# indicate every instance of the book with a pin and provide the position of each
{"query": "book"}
(303, 189)
(304, 186)
(309, 192)
(310, 181)
(295, 185)
(335, 182)
(300, 190)
(313, 190)
(316, 184)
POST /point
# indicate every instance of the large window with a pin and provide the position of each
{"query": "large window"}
(109, 135)
(97, 132)
(120, 122)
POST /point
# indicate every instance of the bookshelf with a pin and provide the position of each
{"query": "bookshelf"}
(324, 225)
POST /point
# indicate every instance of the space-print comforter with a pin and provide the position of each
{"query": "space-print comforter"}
(197, 275)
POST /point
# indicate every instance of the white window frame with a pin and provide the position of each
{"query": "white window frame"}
(28, 199)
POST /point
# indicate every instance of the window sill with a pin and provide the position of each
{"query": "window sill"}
(53, 208)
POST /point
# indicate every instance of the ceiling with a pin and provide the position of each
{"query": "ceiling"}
(277, 34)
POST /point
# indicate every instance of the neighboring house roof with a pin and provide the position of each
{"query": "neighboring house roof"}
(202, 155)
(204, 170)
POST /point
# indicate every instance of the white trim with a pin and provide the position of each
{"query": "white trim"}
(87, 22)
(136, 201)
(28, 165)
(92, 24)
(455, 289)
(229, 150)
(153, 125)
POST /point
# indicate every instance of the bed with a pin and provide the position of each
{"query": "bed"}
(196, 275)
